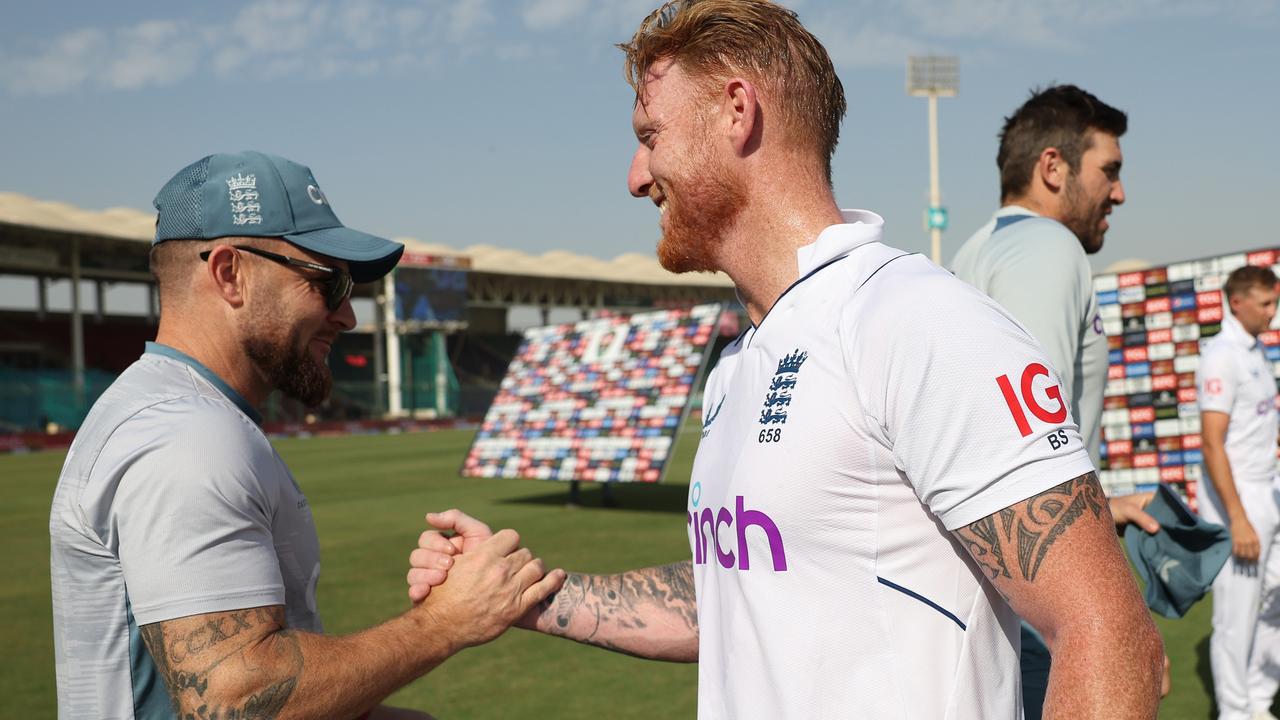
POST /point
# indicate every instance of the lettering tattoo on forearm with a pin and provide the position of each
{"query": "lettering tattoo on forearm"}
(187, 655)
(1029, 529)
(609, 602)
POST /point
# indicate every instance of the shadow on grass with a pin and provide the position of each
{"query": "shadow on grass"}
(1204, 670)
(636, 496)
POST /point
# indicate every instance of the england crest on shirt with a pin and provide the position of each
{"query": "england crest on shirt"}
(778, 398)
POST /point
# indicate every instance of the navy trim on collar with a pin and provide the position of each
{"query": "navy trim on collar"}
(886, 262)
(156, 348)
(1005, 221)
(808, 275)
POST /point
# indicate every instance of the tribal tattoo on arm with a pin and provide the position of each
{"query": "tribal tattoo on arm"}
(1014, 542)
(636, 612)
(193, 653)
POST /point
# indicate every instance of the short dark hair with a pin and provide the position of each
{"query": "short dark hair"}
(1059, 116)
(713, 39)
(1243, 279)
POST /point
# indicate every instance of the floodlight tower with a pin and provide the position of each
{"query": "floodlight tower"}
(934, 76)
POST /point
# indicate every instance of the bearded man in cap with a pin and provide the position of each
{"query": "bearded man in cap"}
(184, 557)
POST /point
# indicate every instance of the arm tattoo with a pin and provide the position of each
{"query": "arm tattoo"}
(1024, 533)
(187, 652)
(606, 604)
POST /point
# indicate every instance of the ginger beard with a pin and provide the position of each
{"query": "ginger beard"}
(699, 210)
(284, 359)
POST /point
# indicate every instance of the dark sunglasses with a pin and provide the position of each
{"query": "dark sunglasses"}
(336, 285)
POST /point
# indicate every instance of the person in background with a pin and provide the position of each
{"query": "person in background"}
(1236, 391)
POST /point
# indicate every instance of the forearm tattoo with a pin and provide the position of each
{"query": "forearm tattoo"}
(595, 609)
(187, 654)
(1018, 538)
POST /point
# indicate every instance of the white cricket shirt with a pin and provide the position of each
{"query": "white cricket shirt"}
(1035, 268)
(880, 404)
(1234, 377)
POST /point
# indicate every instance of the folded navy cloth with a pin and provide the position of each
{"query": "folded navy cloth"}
(1179, 562)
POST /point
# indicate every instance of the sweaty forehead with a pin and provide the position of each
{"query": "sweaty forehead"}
(665, 92)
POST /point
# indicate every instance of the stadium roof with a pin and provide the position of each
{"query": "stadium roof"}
(136, 225)
(1128, 265)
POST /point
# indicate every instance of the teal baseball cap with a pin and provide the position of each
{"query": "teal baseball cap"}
(253, 194)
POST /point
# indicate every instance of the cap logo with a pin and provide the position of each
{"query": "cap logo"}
(316, 196)
(242, 192)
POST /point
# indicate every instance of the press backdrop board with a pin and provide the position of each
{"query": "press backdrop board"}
(1156, 321)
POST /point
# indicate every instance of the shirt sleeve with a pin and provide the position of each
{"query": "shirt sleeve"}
(1216, 382)
(964, 398)
(1038, 280)
(193, 516)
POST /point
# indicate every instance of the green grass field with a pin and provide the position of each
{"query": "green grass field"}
(369, 495)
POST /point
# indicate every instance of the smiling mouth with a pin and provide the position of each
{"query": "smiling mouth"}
(660, 200)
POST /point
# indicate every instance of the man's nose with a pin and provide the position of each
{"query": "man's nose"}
(638, 178)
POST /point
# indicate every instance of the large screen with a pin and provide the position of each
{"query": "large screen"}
(1156, 322)
(600, 400)
(431, 296)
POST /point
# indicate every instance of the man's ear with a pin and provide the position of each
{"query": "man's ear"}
(741, 108)
(226, 272)
(1052, 169)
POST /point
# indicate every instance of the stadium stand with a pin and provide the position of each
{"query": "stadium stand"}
(443, 353)
(600, 400)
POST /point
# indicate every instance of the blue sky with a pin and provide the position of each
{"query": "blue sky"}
(506, 122)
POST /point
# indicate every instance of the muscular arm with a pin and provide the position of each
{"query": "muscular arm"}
(648, 613)
(246, 664)
(1056, 559)
(1213, 442)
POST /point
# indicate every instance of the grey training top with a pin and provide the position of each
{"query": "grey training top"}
(171, 503)
(1037, 270)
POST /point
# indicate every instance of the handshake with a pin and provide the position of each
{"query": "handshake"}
(472, 583)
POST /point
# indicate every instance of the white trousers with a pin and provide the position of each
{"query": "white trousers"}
(1244, 650)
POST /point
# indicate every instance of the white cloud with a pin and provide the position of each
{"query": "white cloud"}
(467, 16)
(864, 33)
(1058, 23)
(543, 14)
(869, 46)
(276, 25)
(152, 53)
(263, 39)
(268, 39)
(64, 64)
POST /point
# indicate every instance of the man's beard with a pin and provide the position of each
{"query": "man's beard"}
(698, 212)
(287, 364)
(1082, 218)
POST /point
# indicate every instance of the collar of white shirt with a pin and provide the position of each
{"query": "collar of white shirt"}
(1233, 330)
(859, 228)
